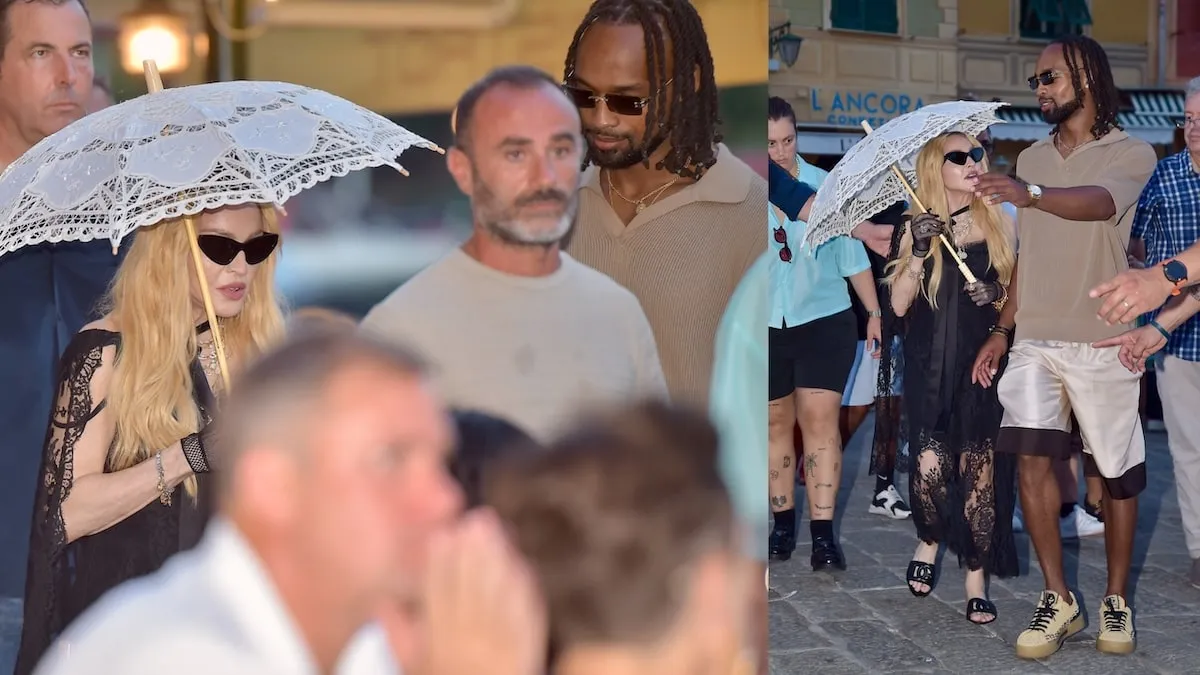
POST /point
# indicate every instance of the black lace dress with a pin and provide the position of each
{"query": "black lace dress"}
(64, 579)
(962, 492)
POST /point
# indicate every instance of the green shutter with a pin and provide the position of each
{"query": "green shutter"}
(1050, 11)
(881, 16)
(1076, 13)
(847, 14)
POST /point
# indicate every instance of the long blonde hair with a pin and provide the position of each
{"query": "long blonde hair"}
(931, 190)
(150, 301)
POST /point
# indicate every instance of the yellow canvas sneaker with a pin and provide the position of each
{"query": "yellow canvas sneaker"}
(1054, 620)
(1117, 635)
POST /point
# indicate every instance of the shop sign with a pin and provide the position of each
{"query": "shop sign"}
(851, 108)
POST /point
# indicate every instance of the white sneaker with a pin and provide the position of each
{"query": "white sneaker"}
(1080, 524)
(888, 503)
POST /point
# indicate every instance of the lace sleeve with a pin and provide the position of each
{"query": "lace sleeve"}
(47, 574)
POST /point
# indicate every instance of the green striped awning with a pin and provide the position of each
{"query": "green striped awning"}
(1156, 127)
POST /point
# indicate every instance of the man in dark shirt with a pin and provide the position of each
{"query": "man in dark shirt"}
(49, 291)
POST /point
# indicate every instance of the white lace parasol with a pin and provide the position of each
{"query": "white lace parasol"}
(181, 151)
(863, 183)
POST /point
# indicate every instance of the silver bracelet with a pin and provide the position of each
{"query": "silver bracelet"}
(164, 491)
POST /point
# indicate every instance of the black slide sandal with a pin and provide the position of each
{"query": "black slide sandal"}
(920, 573)
(981, 606)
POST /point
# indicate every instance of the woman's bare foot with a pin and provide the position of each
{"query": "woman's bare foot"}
(976, 587)
(926, 553)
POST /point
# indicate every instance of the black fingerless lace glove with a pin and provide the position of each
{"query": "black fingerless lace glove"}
(195, 453)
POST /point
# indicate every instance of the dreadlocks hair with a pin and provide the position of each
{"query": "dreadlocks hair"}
(693, 121)
(1083, 53)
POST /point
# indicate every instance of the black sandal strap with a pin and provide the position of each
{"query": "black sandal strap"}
(981, 606)
(920, 572)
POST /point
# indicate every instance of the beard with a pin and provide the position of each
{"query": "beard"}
(1058, 114)
(506, 223)
(617, 159)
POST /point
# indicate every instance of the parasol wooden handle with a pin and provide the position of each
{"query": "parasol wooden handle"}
(962, 266)
(154, 85)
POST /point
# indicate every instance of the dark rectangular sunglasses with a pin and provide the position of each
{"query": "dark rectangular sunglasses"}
(621, 104)
(222, 250)
(960, 158)
(1045, 79)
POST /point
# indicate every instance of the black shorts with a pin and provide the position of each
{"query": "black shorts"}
(816, 355)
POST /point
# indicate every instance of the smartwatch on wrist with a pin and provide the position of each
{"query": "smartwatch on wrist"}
(1176, 273)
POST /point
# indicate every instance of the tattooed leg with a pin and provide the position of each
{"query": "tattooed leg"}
(819, 412)
(782, 480)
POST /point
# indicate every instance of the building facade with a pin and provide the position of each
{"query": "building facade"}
(1000, 41)
(408, 57)
(863, 60)
(875, 59)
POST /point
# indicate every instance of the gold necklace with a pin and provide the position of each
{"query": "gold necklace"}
(639, 205)
(1062, 145)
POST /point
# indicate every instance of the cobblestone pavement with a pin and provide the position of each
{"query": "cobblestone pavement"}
(864, 620)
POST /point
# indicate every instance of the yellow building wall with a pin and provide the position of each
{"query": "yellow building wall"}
(985, 17)
(402, 72)
(1121, 21)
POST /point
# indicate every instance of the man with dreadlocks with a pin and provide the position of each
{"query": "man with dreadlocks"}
(1075, 193)
(665, 208)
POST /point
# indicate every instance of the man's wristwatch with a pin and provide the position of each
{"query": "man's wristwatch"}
(1035, 194)
(1176, 273)
(875, 314)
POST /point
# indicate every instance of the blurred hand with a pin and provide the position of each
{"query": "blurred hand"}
(482, 609)
(987, 362)
(997, 188)
(878, 238)
(1131, 294)
(1136, 346)
(875, 336)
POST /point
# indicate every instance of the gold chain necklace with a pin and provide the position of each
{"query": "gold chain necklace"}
(1062, 145)
(639, 205)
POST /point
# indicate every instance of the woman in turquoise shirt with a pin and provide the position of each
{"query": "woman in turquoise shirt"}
(812, 340)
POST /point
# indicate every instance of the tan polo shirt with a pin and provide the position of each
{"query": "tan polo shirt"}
(1061, 260)
(682, 257)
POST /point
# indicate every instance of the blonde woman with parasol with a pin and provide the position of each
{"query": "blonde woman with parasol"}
(195, 172)
(135, 396)
(961, 492)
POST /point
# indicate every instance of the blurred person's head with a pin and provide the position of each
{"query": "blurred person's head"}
(45, 70)
(987, 143)
(155, 303)
(641, 73)
(945, 168)
(483, 441)
(781, 133)
(102, 96)
(517, 155)
(305, 320)
(1073, 77)
(336, 449)
(1191, 116)
(631, 532)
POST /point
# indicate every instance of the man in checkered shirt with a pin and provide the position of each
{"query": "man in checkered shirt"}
(1167, 223)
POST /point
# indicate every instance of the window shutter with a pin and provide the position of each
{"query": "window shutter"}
(847, 14)
(1077, 13)
(881, 16)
